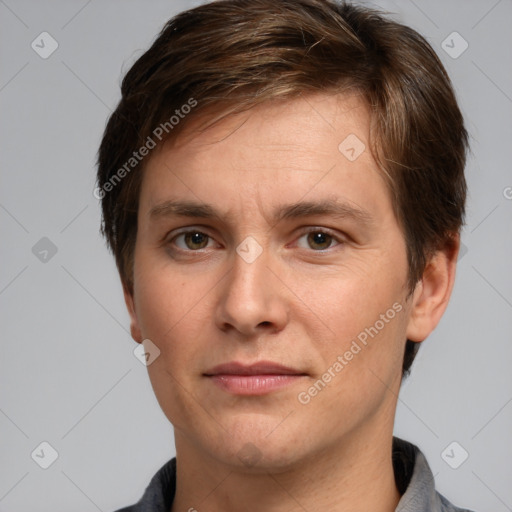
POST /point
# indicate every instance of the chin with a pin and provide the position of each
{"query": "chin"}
(258, 444)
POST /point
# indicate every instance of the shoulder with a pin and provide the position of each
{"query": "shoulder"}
(415, 481)
(446, 506)
(159, 494)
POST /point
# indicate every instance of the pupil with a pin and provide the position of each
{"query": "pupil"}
(320, 240)
(196, 239)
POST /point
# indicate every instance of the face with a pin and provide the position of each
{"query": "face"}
(271, 274)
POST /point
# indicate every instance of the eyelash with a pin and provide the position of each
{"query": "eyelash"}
(335, 239)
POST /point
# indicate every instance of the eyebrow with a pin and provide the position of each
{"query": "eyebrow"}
(184, 209)
(329, 207)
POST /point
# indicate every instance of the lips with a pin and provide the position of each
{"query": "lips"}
(261, 368)
(255, 379)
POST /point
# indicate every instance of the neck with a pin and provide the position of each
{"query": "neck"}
(357, 476)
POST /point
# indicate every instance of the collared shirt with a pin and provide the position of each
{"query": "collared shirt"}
(413, 477)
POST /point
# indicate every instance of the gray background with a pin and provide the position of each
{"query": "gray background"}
(68, 375)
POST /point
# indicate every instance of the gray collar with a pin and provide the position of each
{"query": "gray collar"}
(420, 494)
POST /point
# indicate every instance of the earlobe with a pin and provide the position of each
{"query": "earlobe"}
(432, 293)
(134, 323)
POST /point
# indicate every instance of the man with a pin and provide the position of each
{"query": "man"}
(282, 187)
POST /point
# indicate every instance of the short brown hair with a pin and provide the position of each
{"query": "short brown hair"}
(231, 55)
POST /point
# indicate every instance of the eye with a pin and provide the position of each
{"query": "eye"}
(192, 240)
(317, 240)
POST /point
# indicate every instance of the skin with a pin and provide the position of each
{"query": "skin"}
(299, 303)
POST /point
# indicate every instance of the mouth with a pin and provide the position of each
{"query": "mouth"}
(255, 379)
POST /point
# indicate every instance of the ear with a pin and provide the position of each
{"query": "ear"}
(134, 322)
(433, 291)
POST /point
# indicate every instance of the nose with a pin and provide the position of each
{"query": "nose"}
(252, 300)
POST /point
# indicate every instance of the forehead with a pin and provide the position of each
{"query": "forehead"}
(300, 123)
(316, 145)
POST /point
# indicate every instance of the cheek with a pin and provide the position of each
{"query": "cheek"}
(169, 311)
(170, 314)
(164, 296)
(364, 313)
(361, 364)
(163, 304)
(353, 297)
